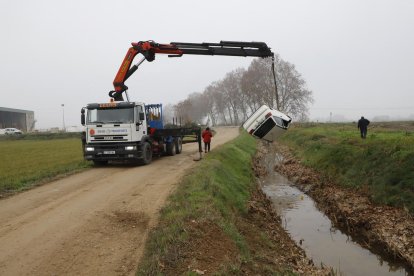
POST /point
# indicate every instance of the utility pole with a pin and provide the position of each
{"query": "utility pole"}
(63, 113)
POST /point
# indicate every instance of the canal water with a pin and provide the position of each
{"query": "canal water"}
(315, 233)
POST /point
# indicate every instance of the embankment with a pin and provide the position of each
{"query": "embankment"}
(219, 222)
(364, 186)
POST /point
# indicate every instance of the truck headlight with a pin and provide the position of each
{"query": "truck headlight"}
(130, 147)
(89, 149)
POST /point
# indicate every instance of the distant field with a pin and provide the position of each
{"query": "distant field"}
(24, 162)
(382, 164)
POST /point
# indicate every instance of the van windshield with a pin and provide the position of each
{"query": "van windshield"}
(280, 122)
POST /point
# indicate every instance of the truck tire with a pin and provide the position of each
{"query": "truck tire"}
(100, 163)
(146, 154)
(178, 145)
(170, 148)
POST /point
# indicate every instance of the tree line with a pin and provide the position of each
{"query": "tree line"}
(231, 100)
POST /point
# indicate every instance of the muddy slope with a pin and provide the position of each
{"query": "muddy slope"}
(210, 251)
(378, 228)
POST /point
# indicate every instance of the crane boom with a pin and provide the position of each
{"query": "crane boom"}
(177, 49)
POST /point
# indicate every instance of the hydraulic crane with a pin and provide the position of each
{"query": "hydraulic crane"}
(149, 49)
(134, 131)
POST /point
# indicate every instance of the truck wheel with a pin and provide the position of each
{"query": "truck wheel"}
(178, 145)
(170, 148)
(100, 162)
(146, 154)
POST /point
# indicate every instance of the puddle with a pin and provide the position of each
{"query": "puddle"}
(314, 232)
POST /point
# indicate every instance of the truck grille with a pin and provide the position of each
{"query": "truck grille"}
(109, 138)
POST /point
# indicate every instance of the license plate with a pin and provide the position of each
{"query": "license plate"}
(109, 152)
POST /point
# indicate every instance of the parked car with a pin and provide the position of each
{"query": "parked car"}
(12, 131)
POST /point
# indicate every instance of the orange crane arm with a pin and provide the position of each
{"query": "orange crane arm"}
(176, 49)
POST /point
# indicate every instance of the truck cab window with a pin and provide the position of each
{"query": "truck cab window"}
(117, 116)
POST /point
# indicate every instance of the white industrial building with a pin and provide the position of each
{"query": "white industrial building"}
(17, 118)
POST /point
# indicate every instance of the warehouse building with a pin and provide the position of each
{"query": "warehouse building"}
(17, 118)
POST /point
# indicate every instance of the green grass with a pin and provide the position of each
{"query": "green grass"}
(382, 164)
(25, 162)
(216, 191)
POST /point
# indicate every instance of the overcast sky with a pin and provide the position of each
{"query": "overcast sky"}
(356, 56)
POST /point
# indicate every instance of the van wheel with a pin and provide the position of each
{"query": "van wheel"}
(170, 148)
(146, 154)
(178, 145)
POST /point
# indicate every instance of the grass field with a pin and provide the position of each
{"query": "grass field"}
(382, 164)
(25, 162)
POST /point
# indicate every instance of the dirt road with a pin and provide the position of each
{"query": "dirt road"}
(92, 223)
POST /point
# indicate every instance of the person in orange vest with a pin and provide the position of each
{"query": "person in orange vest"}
(207, 139)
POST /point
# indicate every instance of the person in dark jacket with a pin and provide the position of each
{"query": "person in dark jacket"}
(207, 139)
(363, 127)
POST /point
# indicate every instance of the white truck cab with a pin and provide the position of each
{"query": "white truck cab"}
(115, 122)
(267, 123)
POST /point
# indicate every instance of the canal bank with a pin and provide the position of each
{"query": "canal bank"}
(383, 230)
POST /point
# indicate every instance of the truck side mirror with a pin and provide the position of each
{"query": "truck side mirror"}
(83, 116)
(141, 116)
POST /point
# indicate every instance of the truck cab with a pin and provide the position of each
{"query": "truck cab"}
(114, 131)
(115, 122)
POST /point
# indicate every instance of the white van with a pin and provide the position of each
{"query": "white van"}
(267, 123)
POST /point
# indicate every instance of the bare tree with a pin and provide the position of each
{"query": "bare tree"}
(219, 103)
(293, 96)
(241, 92)
(210, 103)
(192, 109)
(181, 111)
(231, 89)
(168, 113)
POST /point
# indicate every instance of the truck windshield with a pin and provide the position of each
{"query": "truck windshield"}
(107, 116)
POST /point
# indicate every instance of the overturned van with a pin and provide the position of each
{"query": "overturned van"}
(267, 123)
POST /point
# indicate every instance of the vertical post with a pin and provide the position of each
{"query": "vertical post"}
(63, 119)
(274, 79)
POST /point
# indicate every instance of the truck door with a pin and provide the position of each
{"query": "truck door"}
(140, 122)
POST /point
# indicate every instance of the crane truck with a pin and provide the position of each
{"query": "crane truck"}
(133, 131)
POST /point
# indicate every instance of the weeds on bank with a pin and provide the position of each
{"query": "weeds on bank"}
(382, 163)
(216, 191)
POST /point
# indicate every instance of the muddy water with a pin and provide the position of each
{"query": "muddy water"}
(314, 232)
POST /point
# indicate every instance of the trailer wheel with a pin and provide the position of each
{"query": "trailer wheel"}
(170, 148)
(100, 162)
(178, 145)
(146, 154)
